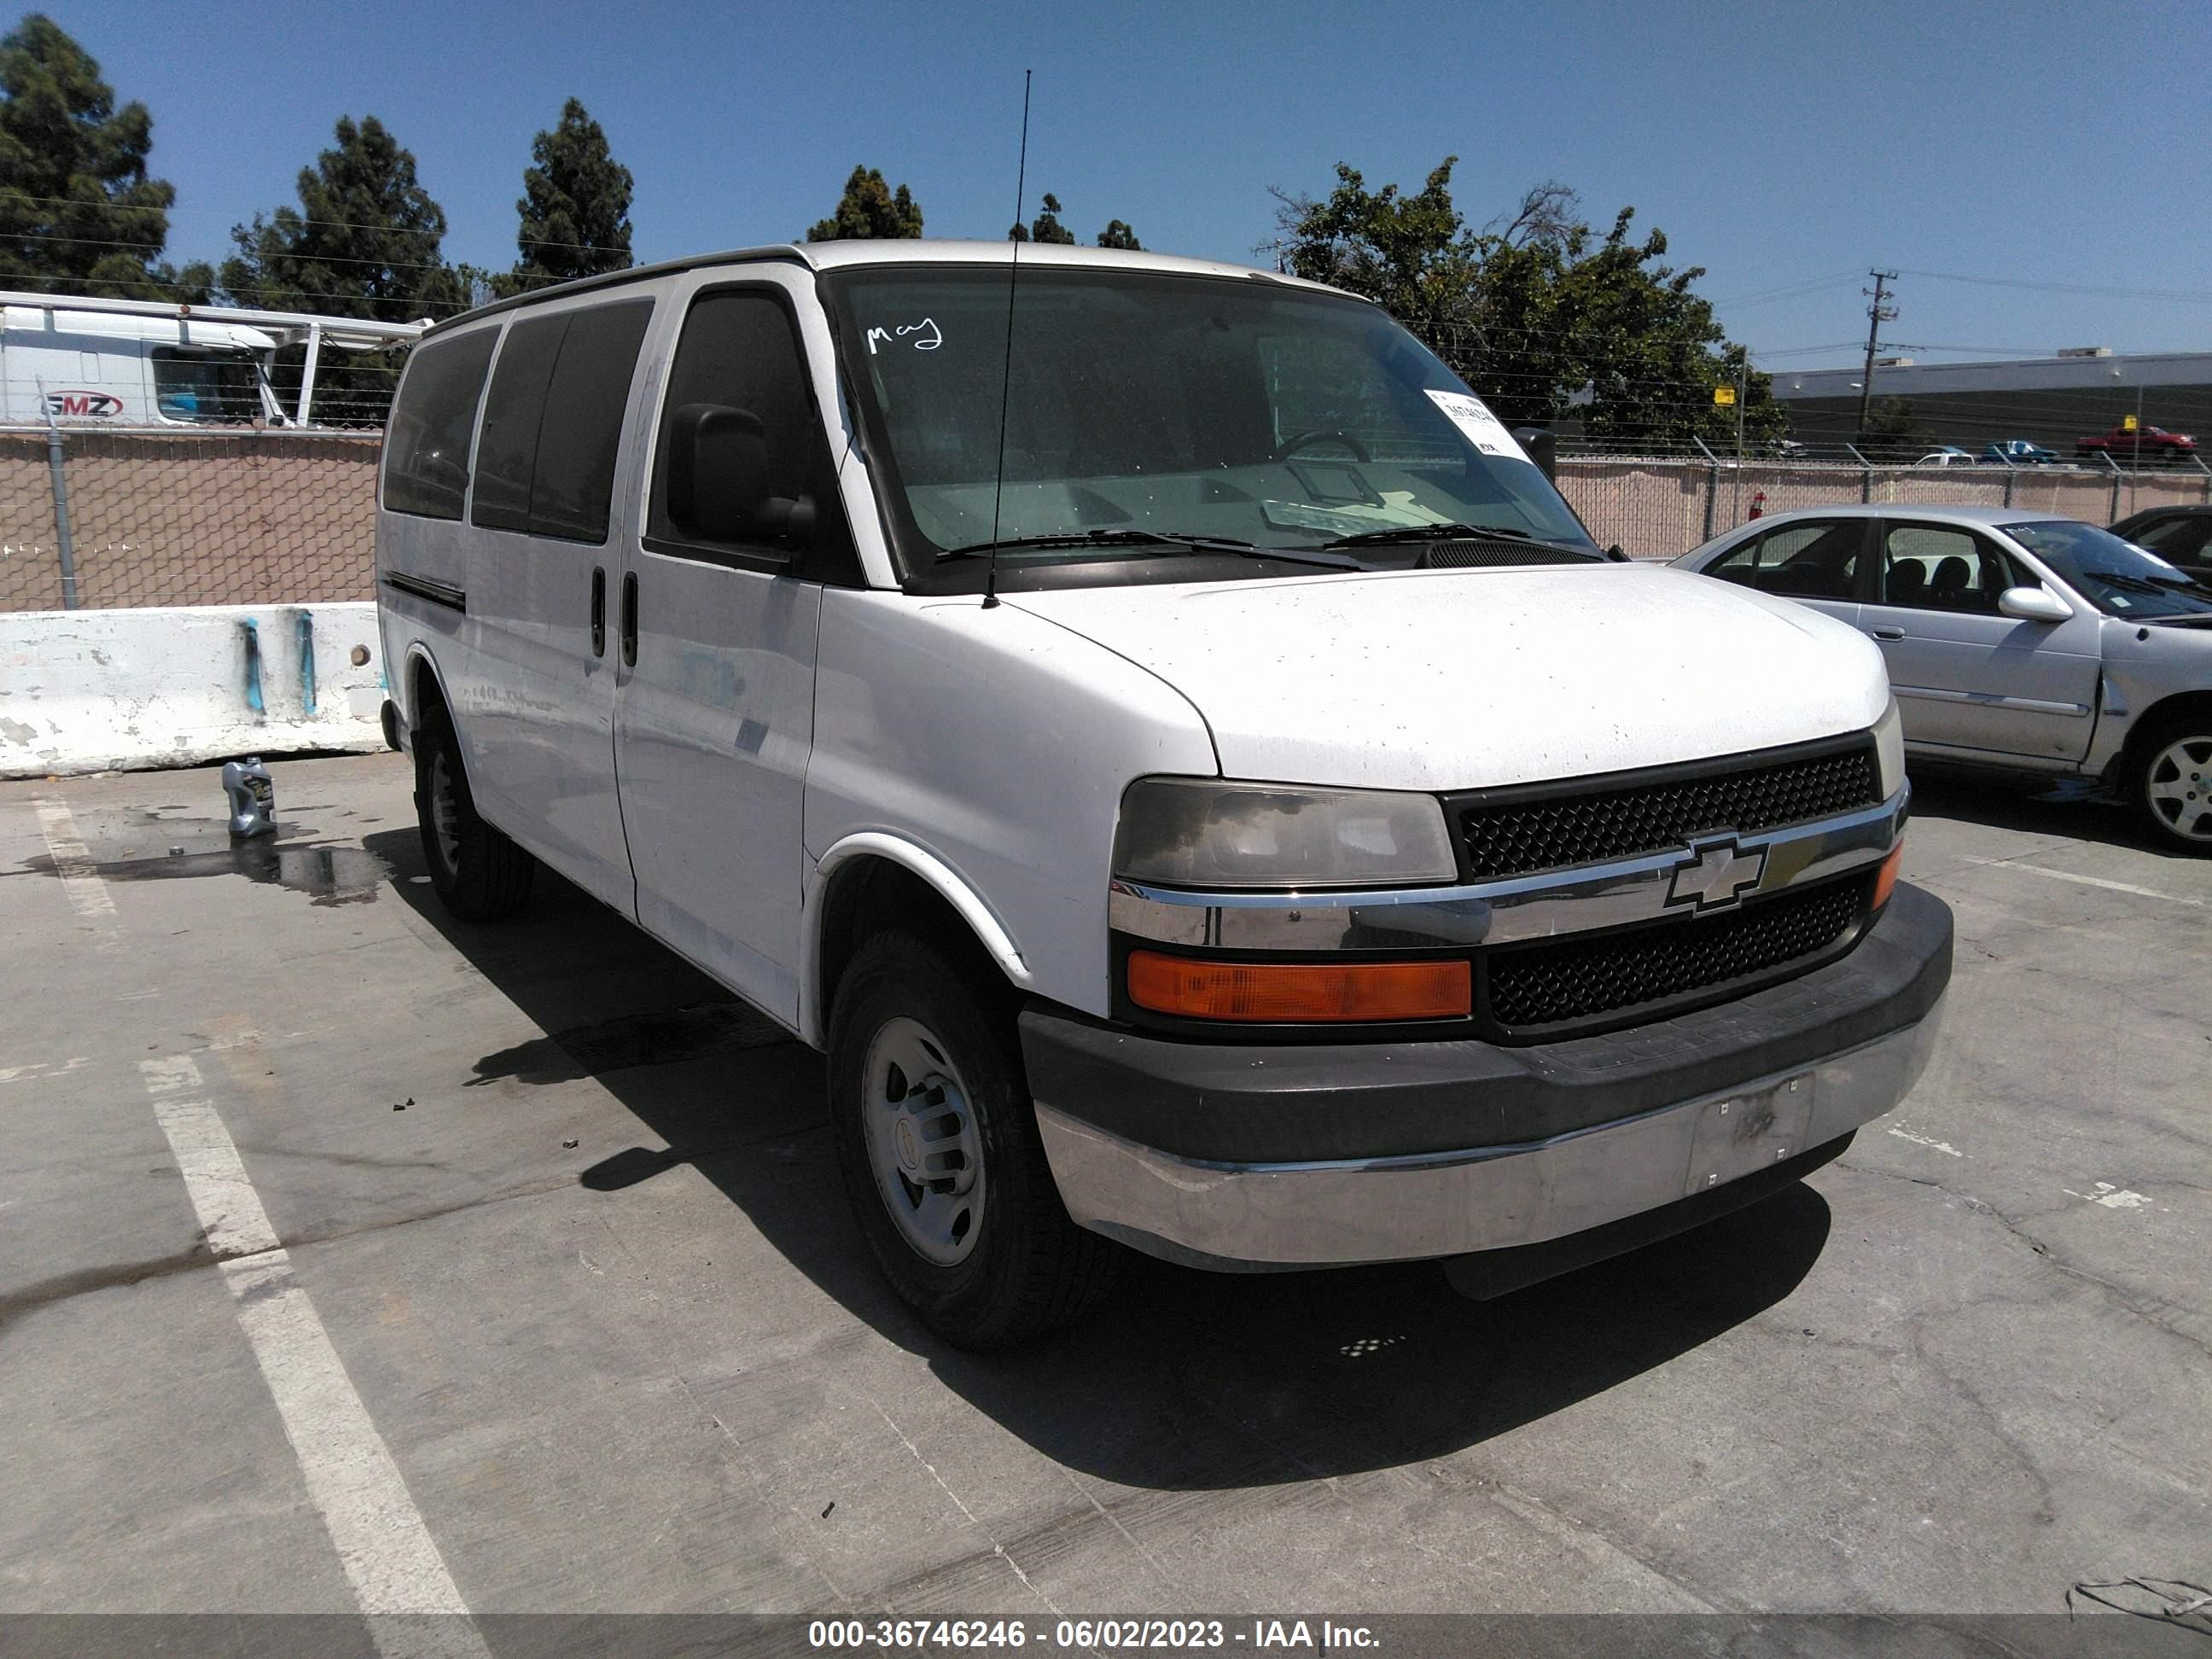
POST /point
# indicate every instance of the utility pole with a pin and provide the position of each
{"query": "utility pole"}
(1742, 385)
(1877, 314)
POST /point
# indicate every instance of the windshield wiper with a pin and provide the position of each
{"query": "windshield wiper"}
(1101, 539)
(2153, 584)
(1452, 533)
(1177, 539)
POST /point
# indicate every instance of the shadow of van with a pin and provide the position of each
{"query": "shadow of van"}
(1184, 1380)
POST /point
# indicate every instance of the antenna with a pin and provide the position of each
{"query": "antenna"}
(1007, 384)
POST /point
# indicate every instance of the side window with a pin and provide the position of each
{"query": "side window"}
(507, 453)
(740, 349)
(1741, 566)
(1937, 568)
(574, 484)
(1817, 560)
(426, 449)
(201, 384)
(553, 422)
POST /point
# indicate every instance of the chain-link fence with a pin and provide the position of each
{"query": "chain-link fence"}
(290, 517)
(1660, 506)
(160, 517)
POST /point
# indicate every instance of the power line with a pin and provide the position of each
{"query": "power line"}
(2195, 296)
(1788, 291)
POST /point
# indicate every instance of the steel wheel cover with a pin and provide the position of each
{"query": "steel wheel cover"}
(921, 1141)
(445, 812)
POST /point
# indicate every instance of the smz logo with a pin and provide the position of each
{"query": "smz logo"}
(97, 404)
(1716, 875)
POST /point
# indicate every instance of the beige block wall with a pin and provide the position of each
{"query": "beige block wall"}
(192, 520)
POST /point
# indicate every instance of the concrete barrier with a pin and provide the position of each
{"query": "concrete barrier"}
(104, 690)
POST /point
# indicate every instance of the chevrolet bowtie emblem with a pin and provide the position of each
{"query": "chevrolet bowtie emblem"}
(1716, 875)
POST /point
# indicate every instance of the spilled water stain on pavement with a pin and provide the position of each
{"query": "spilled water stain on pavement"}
(171, 844)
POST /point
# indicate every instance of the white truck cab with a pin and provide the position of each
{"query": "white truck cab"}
(84, 362)
(1166, 741)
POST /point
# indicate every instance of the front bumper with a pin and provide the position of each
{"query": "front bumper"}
(1255, 1156)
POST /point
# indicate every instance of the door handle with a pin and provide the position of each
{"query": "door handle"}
(599, 613)
(630, 621)
(1887, 633)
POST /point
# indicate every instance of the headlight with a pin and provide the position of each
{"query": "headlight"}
(1201, 832)
(1889, 750)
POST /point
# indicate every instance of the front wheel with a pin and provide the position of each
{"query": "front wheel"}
(938, 1143)
(2174, 782)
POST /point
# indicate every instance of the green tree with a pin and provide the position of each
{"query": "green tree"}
(78, 213)
(870, 208)
(364, 241)
(574, 208)
(1893, 432)
(1117, 235)
(1536, 309)
(1412, 255)
(1046, 228)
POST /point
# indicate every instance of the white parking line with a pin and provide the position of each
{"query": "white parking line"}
(87, 893)
(2093, 881)
(388, 1554)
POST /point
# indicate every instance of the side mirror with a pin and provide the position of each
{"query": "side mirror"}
(2036, 604)
(718, 480)
(1543, 448)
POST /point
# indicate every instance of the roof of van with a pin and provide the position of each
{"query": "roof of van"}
(904, 251)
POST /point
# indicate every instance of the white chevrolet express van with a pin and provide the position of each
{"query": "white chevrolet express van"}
(1200, 785)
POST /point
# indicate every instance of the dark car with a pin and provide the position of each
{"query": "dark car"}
(2018, 451)
(2181, 536)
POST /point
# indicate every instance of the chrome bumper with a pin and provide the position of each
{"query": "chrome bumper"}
(1443, 1204)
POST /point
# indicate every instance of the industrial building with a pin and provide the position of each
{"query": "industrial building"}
(2051, 401)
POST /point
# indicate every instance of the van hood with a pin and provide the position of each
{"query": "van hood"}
(1446, 680)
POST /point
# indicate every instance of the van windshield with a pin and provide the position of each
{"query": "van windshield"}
(1143, 406)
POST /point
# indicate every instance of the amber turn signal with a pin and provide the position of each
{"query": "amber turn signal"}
(1885, 878)
(1292, 992)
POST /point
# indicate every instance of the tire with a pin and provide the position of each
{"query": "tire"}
(980, 1248)
(479, 874)
(2170, 782)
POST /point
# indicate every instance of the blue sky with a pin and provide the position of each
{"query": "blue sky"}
(1783, 147)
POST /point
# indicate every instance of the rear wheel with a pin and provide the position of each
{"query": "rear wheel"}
(937, 1140)
(478, 873)
(2174, 782)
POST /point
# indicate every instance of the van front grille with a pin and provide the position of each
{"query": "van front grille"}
(1538, 985)
(1520, 834)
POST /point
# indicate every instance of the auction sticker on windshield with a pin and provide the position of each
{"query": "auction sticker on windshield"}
(1482, 429)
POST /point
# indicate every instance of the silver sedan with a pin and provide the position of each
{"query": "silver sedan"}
(2014, 638)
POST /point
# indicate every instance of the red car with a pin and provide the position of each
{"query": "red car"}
(2151, 443)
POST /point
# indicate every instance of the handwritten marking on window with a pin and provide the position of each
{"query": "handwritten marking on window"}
(929, 336)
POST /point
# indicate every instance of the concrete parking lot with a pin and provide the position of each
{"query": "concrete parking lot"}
(546, 1299)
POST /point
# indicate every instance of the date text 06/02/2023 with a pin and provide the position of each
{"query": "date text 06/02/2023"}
(1291, 1635)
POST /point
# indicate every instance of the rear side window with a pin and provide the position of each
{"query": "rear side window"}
(506, 454)
(1812, 561)
(426, 450)
(553, 424)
